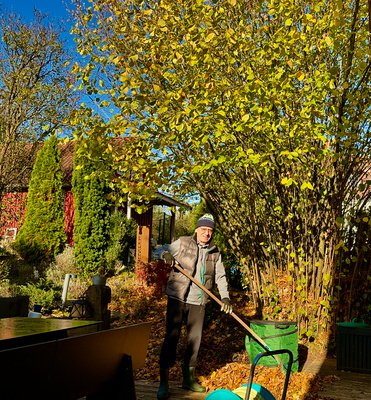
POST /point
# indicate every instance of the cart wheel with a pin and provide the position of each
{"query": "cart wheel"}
(258, 392)
(222, 394)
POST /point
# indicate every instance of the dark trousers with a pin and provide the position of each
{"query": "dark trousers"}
(177, 312)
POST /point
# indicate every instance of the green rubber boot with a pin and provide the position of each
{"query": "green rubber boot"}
(189, 381)
(163, 390)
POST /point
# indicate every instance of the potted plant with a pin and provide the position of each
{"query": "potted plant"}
(102, 274)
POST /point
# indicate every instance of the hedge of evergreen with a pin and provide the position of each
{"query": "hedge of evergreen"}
(92, 216)
(42, 236)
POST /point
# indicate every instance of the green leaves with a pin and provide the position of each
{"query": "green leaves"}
(92, 213)
(42, 235)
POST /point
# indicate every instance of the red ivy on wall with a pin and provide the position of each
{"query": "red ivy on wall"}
(13, 211)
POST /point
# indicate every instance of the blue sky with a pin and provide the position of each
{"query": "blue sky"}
(25, 8)
(55, 8)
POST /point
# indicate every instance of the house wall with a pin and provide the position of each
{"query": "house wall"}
(69, 214)
(13, 211)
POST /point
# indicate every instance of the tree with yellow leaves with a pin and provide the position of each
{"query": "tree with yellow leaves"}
(262, 109)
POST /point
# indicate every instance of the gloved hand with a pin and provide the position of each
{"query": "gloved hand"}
(227, 306)
(168, 258)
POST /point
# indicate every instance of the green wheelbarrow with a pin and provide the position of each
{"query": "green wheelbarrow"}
(254, 391)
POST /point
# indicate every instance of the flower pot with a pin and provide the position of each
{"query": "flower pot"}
(99, 280)
(33, 314)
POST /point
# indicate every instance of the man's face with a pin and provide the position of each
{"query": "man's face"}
(204, 234)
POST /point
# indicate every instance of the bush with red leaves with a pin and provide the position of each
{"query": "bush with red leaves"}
(154, 275)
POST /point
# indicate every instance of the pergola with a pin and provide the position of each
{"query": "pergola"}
(145, 221)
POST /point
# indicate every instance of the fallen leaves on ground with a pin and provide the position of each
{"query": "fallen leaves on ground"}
(223, 360)
(302, 385)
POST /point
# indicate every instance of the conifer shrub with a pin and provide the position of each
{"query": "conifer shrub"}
(42, 235)
(122, 236)
(44, 293)
(92, 216)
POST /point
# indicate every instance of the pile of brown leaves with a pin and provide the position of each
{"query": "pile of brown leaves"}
(302, 385)
(223, 360)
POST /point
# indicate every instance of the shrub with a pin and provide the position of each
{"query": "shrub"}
(66, 261)
(42, 293)
(131, 298)
(18, 271)
(92, 213)
(122, 236)
(7, 289)
(65, 264)
(154, 275)
(42, 235)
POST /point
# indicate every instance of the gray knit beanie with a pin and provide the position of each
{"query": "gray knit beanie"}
(206, 220)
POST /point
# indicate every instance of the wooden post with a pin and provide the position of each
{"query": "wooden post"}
(143, 244)
(98, 297)
(172, 227)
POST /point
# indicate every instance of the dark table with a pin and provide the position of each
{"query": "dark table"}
(24, 331)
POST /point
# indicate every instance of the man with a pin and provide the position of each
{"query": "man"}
(201, 258)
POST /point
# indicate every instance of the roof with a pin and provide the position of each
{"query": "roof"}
(67, 151)
(164, 200)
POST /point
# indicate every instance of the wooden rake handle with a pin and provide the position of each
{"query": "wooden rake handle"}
(236, 317)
